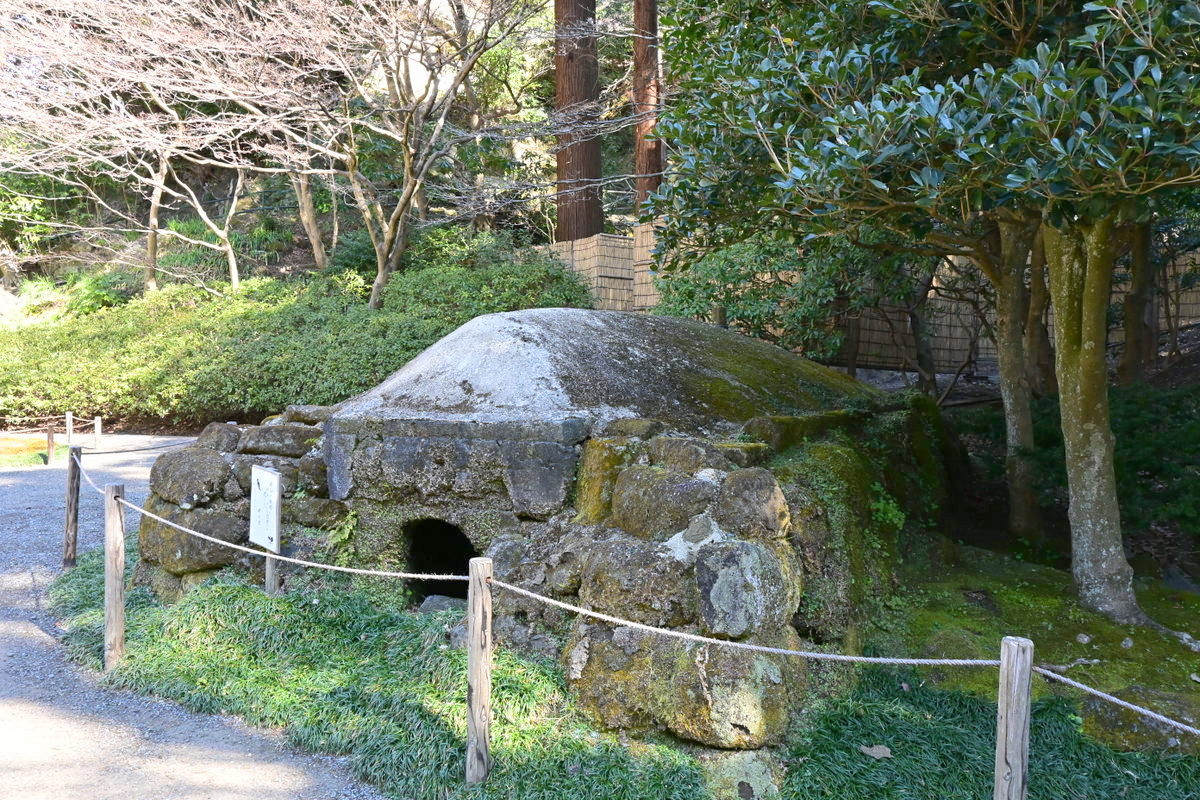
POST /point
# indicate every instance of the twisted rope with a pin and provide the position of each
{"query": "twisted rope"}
(778, 651)
(1145, 712)
(691, 637)
(92, 452)
(412, 576)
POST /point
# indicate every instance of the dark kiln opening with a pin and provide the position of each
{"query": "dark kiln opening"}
(437, 547)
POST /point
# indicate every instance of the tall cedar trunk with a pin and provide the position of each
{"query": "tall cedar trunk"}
(150, 278)
(646, 94)
(1039, 353)
(577, 96)
(1141, 318)
(308, 218)
(1012, 308)
(1080, 259)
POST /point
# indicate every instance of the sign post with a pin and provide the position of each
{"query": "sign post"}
(266, 496)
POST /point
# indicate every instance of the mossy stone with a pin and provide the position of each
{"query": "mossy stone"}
(742, 774)
(288, 440)
(180, 553)
(313, 512)
(782, 432)
(751, 504)
(743, 590)
(190, 477)
(193, 579)
(166, 587)
(638, 580)
(686, 454)
(744, 454)
(635, 427)
(626, 678)
(599, 466)
(220, 436)
(655, 503)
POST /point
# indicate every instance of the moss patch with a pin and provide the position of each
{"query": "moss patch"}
(599, 466)
(966, 610)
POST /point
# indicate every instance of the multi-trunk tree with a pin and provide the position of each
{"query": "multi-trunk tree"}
(967, 127)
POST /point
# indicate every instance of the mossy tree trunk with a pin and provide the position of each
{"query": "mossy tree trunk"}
(1080, 258)
(1038, 350)
(1014, 241)
(1141, 328)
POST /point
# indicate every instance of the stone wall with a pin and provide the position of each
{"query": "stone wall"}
(206, 487)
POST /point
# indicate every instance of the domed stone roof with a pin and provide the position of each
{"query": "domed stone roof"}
(553, 364)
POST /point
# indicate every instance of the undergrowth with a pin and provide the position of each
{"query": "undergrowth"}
(340, 675)
(184, 355)
(1157, 435)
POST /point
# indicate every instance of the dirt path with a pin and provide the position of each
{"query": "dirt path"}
(63, 737)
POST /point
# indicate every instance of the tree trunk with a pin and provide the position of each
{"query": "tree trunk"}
(1080, 259)
(231, 262)
(150, 276)
(1141, 323)
(577, 96)
(308, 218)
(1012, 308)
(926, 363)
(1039, 353)
(384, 268)
(646, 95)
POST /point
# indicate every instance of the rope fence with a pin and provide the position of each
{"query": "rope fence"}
(1015, 664)
(52, 428)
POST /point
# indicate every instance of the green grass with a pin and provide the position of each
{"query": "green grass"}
(339, 674)
(26, 452)
(943, 748)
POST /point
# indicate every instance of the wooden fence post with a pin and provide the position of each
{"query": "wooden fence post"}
(70, 427)
(479, 669)
(50, 442)
(71, 531)
(1012, 719)
(96, 433)
(114, 575)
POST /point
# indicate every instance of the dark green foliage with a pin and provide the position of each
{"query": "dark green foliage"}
(91, 291)
(943, 748)
(185, 355)
(340, 675)
(789, 291)
(1157, 452)
(258, 246)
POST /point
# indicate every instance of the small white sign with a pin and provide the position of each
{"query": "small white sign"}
(266, 494)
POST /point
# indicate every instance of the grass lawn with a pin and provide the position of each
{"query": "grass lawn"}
(27, 450)
(340, 674)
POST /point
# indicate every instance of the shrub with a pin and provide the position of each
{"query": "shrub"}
(184, 355)
(1157, 437)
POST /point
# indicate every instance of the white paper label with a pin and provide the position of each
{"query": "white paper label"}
(265, 496)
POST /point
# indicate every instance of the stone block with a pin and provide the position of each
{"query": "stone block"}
(654, 503)
(190, 477)
(751, 503)
(288, 440)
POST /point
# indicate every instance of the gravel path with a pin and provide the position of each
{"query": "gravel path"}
(62, 736)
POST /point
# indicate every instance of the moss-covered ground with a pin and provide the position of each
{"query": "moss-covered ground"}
(965, 609)
(341, 673)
